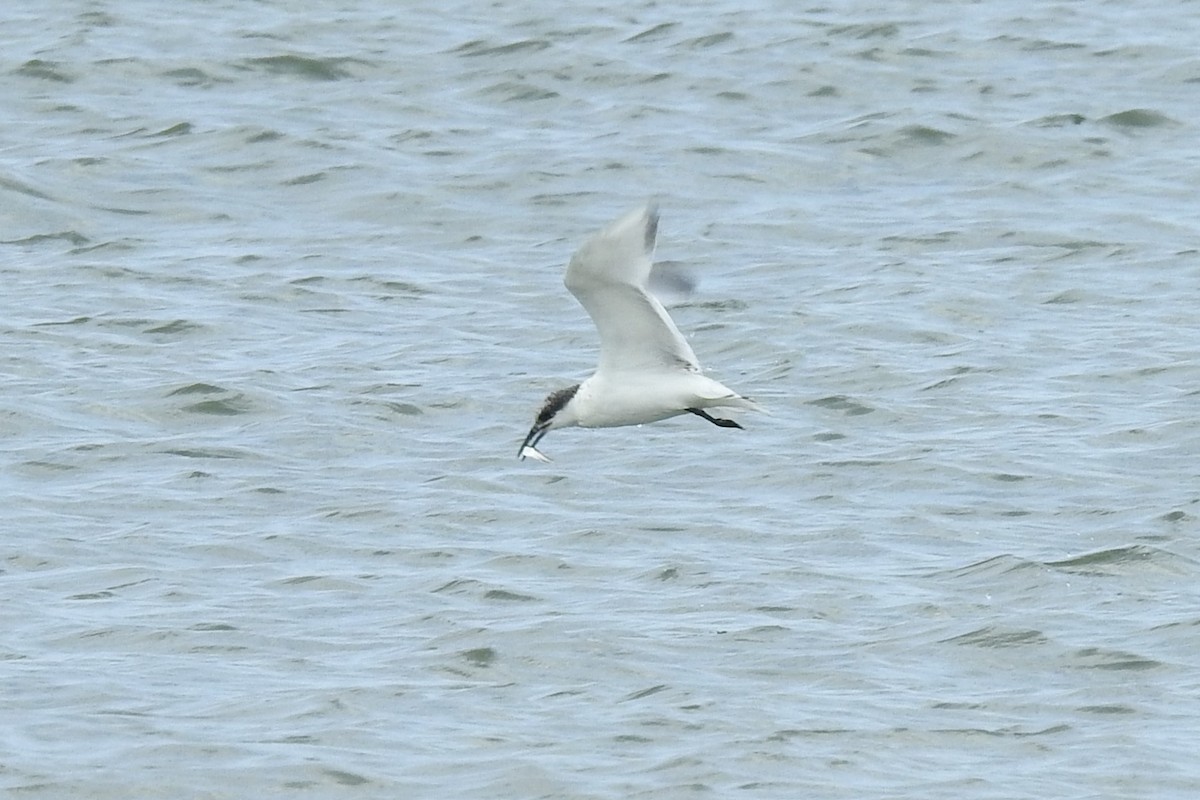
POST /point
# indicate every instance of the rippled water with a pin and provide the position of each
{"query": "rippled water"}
(282, 292)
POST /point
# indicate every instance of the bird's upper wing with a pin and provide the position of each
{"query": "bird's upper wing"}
(608, 277)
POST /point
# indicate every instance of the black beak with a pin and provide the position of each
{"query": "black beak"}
(535, 435)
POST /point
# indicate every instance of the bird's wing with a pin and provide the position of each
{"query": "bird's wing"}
(608, 277)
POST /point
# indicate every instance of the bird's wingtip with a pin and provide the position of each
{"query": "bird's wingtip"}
(651, 226)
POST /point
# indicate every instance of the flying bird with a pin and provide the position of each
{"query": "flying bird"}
(647, 370)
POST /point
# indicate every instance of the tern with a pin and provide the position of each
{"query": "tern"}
(647, 370)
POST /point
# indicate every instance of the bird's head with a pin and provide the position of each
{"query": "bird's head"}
(556, 412)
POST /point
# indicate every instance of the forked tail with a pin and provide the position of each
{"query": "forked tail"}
(730, 399)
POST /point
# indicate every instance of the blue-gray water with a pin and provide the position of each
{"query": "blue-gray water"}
(282, 293)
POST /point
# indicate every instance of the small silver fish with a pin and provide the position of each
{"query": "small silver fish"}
(535, 454)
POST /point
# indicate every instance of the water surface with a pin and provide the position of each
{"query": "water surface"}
(282, 293)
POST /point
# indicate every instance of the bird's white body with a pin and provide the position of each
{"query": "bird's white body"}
(608, 400)
(647, 370)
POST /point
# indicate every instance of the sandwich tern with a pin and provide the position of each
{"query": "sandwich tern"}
(647, 370)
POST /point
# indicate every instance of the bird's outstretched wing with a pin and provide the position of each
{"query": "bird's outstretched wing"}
(608, 276)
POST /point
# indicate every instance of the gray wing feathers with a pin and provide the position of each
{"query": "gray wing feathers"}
(608, 276)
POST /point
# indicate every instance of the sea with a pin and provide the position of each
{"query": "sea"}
(281, 293)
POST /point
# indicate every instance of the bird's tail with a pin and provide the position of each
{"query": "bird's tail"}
(722, 396)
(737, 401)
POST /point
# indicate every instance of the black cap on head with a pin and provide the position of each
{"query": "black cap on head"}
(554, 403)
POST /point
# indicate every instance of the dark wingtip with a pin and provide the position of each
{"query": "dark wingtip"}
(651, 225)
